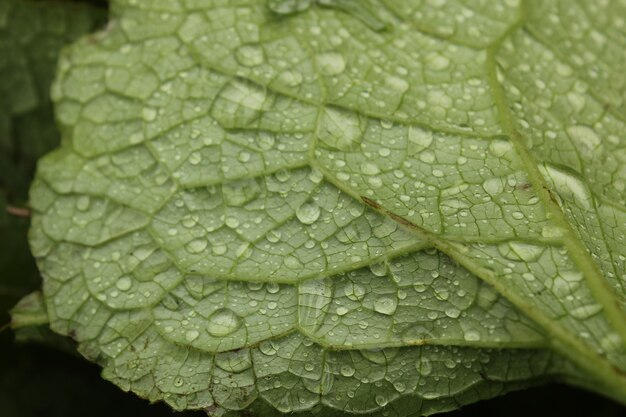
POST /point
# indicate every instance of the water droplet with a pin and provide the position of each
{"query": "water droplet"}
(386, 305)
(369, 168)
(577, 101)
(243, 156)
(340, 129)
(396, 83)
(83, 202)
(500, 148)
(493, 186)
(585, 137)
(191, 335)
(149, 114)
(239, 104)
(232, 222)
(437, 62)
(569, 187)
(611, 342)
(288, 6)
(282, 175)
(342, 311)
(223, 322)
(381, 400)
(331, 63)
(178, 382)
(291, 78)
(265, 140)
(354, 292)
(308, 213)
(316, 176)
(240, 192)
(219, 249)
(250, 55)
(571, 276)
(471, 336)
(520, 251)
(272, 287)
(347, 370)
(379, 269)
(424, 367)
(550, 230)
(197, 245)
(420, 137)
(267, 348)
(189, 221)
(124, 283)
(195, 158)
(586, 311)
(273, 236)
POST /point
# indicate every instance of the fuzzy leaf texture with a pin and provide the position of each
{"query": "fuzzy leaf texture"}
(341, 207)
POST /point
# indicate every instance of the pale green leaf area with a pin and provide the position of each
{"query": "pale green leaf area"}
(341, 207)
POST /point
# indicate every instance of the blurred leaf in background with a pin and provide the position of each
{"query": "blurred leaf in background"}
(31, 37)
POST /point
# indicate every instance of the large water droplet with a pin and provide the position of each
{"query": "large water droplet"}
(379, 269)
(234, 361)
(340, 129)
(197, 245)
(569, 187)
(239, 104)
(471, 336)
(347, 370)
(191, 335)
(520, 251)
(250, 55)
(239, 193)
(331, 63)
(124, 283)
(424, 367)
(83, 202)
(308, 213)
(386, 305)
(381, 400)
(267, 348)
(585, 138)
(500, 148)
(288, 6)
(494, 186)
(586, 311)
(291, 78)
(223, 322)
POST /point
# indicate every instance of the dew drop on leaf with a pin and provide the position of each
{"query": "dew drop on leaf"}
(308, 213)
(223, 322)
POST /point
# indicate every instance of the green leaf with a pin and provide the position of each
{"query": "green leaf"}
(340, 207)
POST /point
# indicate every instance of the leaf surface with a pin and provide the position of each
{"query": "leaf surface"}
(334, 205)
